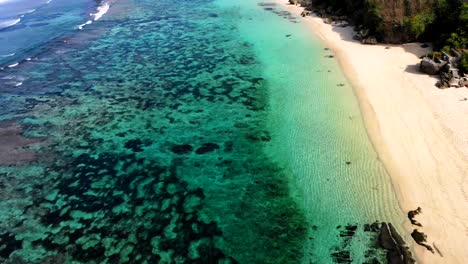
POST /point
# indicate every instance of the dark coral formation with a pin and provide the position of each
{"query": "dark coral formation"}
(342, 253)
(145, 158)
(385, 245)
(272, 7)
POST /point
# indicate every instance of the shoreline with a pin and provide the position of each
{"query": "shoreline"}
(419, 132)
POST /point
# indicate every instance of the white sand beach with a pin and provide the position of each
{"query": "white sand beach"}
(419, 131)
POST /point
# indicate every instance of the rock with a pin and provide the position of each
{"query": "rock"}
(375, 227)
(341, 23)
(412, 214)
(429, 66)
(327, 20)
(305, 13)
(369, 41)
(362, 34)
(397, 251)
(464, 82)
(420, 239)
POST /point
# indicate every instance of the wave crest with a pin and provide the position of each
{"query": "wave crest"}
(9, 23)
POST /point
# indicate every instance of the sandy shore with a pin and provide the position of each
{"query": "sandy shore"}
(419, 131)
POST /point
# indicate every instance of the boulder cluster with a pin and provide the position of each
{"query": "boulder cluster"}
(447, 68)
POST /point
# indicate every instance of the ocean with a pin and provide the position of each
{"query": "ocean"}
(203, 131)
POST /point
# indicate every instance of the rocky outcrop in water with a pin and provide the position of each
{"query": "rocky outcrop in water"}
(385, 244)
(397, 251)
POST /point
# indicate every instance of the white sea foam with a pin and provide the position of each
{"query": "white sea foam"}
(9, 23)
(19, 84)
(7, 55)
(13, 65)
(48, 1)
(28, 12)
(84, 24)
(101, 10)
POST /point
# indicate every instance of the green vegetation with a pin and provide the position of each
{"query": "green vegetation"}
(457, 36)
(418, 23)
(444, 22)
(435, 55)
(464, 62)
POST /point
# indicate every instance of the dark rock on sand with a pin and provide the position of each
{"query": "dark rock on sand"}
(421, 239)
(369, 41)
(430, 66)
(412, 214)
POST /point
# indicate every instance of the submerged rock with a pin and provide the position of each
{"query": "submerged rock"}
(207, 147)
(182, 149)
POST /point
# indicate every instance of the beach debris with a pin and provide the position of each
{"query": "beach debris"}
(421, 239)
(412, 214)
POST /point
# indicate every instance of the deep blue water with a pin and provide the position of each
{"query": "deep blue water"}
(26, 25)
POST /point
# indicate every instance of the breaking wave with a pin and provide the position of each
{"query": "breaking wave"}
(9, 23)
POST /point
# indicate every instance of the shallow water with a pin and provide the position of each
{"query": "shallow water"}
(189, 132)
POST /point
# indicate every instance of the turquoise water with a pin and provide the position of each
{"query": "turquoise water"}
(190, 132)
